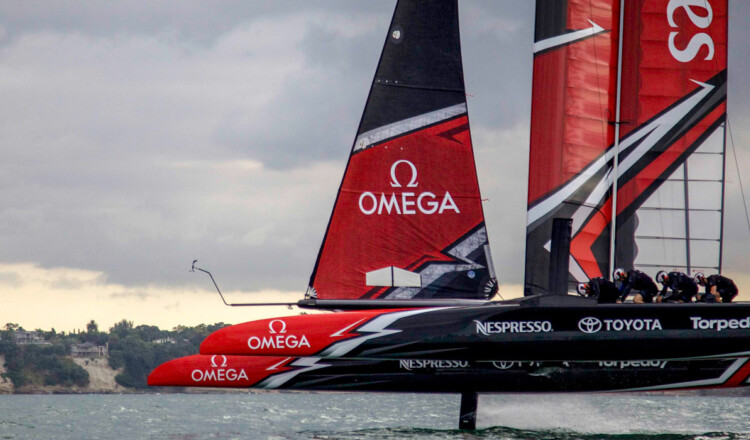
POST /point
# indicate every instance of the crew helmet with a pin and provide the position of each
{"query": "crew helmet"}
(699, 278)
(583, 288)
(619, 274)
(662, 277)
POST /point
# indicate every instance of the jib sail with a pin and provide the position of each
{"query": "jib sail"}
(658, 116)
(408, 220)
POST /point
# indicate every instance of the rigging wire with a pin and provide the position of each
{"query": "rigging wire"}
(739, 175)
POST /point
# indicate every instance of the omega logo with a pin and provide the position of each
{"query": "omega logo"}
(406, 203)
(281, 327)
(280, 341)
(223, 360)
(394, 181)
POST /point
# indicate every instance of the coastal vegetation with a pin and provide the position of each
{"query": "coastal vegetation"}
(45, 358)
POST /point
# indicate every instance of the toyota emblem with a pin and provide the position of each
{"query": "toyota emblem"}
(590, 324)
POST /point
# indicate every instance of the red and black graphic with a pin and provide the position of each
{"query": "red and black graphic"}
(217, 371)
(306, 335)
(423, 375)
(408, 220)
(673, 96)
(528, 329)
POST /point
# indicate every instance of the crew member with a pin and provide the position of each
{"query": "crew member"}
(603, 290)
(677, 287)
(718, 288)
(635, 280)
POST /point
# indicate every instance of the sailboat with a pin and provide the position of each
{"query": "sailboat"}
(628, 108)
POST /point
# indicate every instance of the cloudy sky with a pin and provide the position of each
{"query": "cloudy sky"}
(138, 136)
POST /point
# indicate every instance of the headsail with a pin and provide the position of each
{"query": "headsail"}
(408, 220)
(673, 97)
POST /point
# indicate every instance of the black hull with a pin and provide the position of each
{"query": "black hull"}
(517, 377)
(565, 329)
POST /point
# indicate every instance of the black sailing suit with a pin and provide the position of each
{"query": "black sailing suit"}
(603, 290)
(641, 282)
(683, 288)
(725, 287)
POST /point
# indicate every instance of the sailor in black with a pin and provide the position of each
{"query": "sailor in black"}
(718, 288)
(677, 287)
(603, 290)
(635, 280)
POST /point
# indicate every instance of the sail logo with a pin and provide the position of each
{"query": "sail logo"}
(406, 203)
(394, 181)
(218, 372)
(413, 364)
(719, 324)
(494, 327)
(280, 340)
(591, 324)
(701, 20)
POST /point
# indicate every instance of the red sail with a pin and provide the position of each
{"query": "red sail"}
(408, 219)
(575, 72)
(673, 97)
(674, 68)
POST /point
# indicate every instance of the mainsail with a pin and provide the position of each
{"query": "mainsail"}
(408, 220)
(653, 94)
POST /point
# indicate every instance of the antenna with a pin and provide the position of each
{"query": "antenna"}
(193, 268)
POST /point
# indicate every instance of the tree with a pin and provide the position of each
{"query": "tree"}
(122, 328)
(92, 327)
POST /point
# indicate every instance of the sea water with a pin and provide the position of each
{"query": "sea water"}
(329, 416)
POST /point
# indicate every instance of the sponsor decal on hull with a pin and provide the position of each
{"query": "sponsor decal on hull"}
(633, 364)
(507, 365)
(279, 338)
(219, 375)
(592, 324)
(414, 364)
(494, 327)
(718, 325)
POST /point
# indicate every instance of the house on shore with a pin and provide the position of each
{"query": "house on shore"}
(33, 337)
(87, 349)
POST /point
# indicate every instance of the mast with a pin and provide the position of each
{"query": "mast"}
(616, 148)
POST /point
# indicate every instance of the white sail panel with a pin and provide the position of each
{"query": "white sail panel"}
(680, 225)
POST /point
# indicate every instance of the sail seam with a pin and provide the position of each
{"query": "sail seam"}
(394, 83)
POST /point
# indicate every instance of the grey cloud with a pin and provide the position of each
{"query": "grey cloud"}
(123, 119)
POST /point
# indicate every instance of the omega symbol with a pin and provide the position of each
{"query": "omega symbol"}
(394, 181)
(281, 328)
(223, 360)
